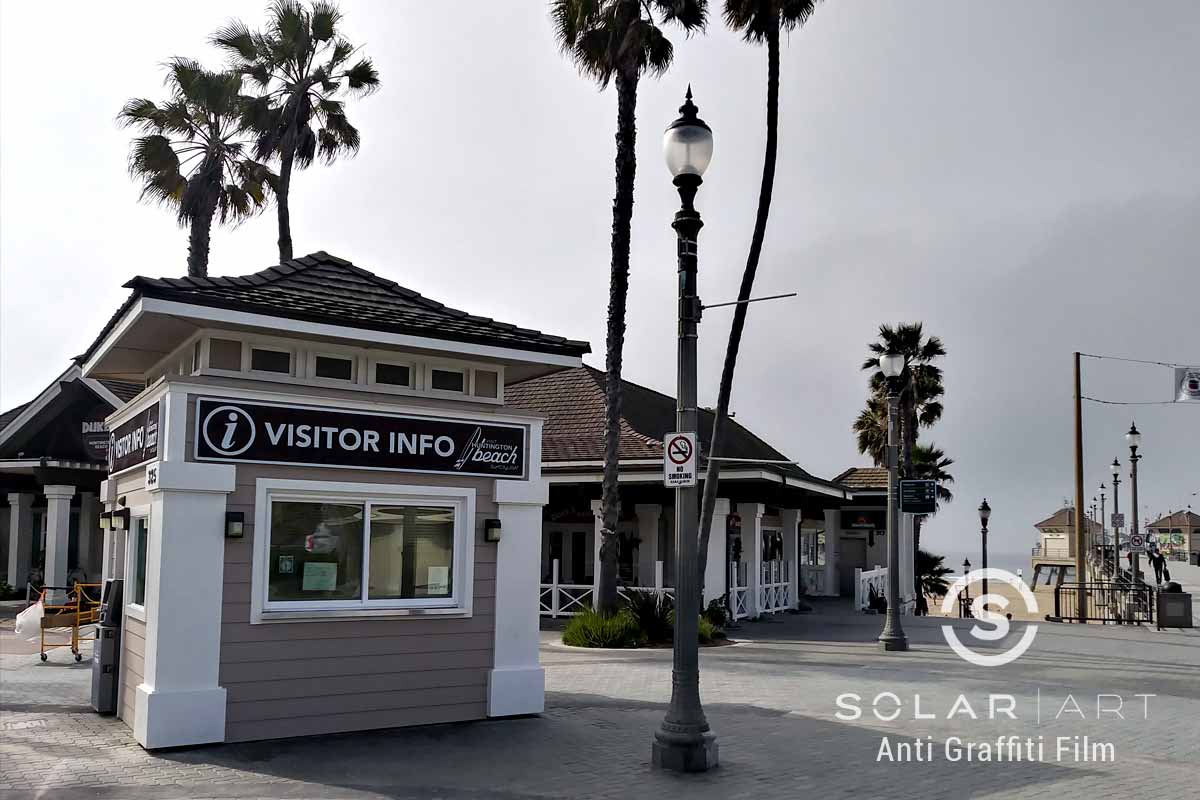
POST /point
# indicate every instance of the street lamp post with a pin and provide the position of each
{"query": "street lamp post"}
(985, 513)
(1116, 473)
(892, 366)
(964, 597)
(1135, 439)
(683, 742)
(1103, 529)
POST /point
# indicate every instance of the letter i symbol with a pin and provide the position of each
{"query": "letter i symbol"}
(230, 427)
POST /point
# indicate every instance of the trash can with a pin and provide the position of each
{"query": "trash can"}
(1174, 607)
(106, 652)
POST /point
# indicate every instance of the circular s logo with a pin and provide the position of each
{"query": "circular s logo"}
(228, 430)
(999, 622)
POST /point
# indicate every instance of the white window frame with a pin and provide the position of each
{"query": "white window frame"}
(413, 375)
(136, 610)
(313, 355)
(499, 384)
(248, 348)
(461, 499)
(461, 370)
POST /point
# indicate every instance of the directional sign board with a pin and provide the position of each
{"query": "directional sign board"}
(1137, 543)
(918, 496)
(1118, 520)
(679, 460)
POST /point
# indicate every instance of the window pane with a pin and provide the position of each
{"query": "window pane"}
(316, 551)
(196, 356)
(392, 374)
(270, 361)
(225, 354)
(412, 551)
(486, 382)
(341, 369)
(447, 381)
(141, 536)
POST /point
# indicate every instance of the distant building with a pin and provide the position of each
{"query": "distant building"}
(1053, 557)
(1177, 535)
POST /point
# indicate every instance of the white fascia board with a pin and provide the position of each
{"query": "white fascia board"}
(276, 324)
(817, 488)
(38, 403)
(131, 316)
(595, 477)
(151, 395)
(629, 462)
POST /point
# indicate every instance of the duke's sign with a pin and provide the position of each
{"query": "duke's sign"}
(273, 433)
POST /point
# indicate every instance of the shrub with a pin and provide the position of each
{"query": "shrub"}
(716, 613)
(708, 631)
(653, 614)
(590, 629)
(7, 592)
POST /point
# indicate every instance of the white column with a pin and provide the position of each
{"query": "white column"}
(180, 702)
(647, 531)
(517, 682)
(790, 519)
(597, 538)
(716, 568)
(20, 538)
(89, 535)
(833, 534)
(113, 556)
(58, 534)
(754, 557)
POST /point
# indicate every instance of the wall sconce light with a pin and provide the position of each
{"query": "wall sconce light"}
(106, 521)
(235, 524)
(491, 530)
(120, 520)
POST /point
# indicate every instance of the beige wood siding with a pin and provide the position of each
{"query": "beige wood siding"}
(133, 665)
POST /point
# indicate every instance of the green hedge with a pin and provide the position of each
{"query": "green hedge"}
(590, 629)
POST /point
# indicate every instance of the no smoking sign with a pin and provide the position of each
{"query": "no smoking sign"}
(679, 460)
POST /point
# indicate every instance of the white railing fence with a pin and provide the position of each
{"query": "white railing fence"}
(739, 592)
(868, 583)
(775, 587)
(568, 599)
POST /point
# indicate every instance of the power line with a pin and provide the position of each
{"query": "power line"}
(1131, 402)
(1133, 361)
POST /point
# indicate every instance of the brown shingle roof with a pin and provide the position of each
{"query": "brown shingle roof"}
(1064, 518)
(323, 288)
(573, 402)
(1177, 520)
(864, 478)
(11, 414)
(124, 390)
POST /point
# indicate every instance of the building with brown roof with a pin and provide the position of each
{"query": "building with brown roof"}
(771, 514)
(1177, 536)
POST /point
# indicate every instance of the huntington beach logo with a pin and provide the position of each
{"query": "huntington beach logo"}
(982, 609)
(482, 450)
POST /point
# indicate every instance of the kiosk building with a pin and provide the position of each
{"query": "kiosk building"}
(333, 513)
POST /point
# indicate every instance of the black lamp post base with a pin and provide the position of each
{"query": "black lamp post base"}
(893, 643)
(691, 755)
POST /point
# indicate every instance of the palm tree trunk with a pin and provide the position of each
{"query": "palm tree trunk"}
(626, 167)
(287, 158)
(712, 474)
(198, 239)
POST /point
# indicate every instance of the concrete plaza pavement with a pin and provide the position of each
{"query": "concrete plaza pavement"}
(771, 699)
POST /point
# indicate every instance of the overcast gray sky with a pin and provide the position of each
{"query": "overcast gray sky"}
(1024, 178)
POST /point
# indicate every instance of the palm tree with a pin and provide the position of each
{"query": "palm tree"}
(930, 463)
(931, 575)
(191, 155)
(617, 41)
(759, 22)
(302, 66)
(921, 381)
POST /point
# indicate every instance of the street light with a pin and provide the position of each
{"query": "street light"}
(892, 366)
(964, 597)
(1116, 473)
(1103, 528)
(985, 513)
(683, 742)
(1134, 439)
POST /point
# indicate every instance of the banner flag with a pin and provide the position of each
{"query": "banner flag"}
(1187, 384)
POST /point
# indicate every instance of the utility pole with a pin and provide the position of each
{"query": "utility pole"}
(1080, 527)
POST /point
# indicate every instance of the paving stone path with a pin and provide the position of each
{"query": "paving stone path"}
(770, 699)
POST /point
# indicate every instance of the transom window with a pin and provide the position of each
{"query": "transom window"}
(334, 368)
(445, 380)
(392, 550)
(264, 360)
